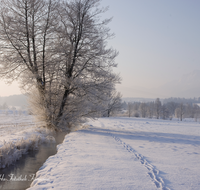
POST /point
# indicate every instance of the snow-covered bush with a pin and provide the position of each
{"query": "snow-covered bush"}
(12, 151)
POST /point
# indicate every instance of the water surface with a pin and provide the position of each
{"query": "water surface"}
(20, 175)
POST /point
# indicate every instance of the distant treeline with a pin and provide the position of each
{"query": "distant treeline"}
(182, 100)
(167, 109)
(14, 100)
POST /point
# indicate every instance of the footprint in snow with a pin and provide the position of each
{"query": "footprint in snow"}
(153, 173)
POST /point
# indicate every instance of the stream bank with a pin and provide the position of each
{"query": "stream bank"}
(19, 175)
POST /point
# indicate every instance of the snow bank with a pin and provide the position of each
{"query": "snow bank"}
(18, 136)
(12, 151)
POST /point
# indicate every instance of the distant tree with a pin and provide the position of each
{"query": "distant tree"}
(130, 109)
(157, 108)
(164, 112)
(189, 110)
(181, 100)
(171, 106)
(135, 109)
(143, 109)
(124, 105)
(196, 110)
(150, 109)
(113, 104)
(177, 113)
(180, 111)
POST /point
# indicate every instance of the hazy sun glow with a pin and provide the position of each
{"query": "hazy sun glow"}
(7, 90)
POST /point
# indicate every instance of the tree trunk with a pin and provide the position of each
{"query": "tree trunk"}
(108, 113)
(62, 106)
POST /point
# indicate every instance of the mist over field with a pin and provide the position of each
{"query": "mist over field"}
(14, 100)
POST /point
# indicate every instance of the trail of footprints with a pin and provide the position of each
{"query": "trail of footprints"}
(153, 173)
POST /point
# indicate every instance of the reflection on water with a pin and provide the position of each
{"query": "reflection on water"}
(20, 175)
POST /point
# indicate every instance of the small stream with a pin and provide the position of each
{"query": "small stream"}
(20, 175)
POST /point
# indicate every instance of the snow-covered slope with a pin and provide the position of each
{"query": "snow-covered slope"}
(126, 153)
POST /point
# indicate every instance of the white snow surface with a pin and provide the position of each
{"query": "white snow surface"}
(125, 153)
(15, 127)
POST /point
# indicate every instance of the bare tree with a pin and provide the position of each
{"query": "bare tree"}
(135, 109)
(177, 113)
(143, 109)
(196, 109)
(124, 105)
(171, 107)
(150, 109)
(164, 112)
(180, 111)
(26, 35)
(58, 48)
(130, 108)
(113, 104)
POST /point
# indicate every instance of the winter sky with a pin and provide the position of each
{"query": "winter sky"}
(158, 41)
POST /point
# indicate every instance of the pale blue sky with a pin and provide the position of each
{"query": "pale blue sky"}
(157, 40)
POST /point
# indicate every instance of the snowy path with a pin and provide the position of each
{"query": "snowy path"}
(123, 153)
(90, 159)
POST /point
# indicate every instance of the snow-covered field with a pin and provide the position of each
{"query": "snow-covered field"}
(126, 153)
